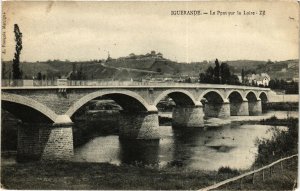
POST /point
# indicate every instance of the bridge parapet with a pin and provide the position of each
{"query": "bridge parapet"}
(115, 84)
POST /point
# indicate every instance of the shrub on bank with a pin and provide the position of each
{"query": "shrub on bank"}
(228, 170)
(283, 143)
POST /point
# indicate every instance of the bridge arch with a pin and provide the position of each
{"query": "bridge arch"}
(235, 93)
(251, 96)
(264, 100)
(263, 96)
(180, 97)
(215, 93)
(254, 103)
(215, 104)
(27, 108)
(128, 100)
(238, 103)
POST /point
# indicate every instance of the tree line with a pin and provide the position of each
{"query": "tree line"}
(288, 87)
(220, 74)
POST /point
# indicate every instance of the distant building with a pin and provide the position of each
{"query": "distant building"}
(258, 79)
(283, 70)
(240, 78)
(292, 65)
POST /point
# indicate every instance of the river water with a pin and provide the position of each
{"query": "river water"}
(220, 143)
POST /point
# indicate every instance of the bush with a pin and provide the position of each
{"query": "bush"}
(228, 170)
(283, 143)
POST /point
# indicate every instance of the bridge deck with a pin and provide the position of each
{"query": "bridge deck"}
(150, 85)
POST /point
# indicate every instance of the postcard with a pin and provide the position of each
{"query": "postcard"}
(149, 95)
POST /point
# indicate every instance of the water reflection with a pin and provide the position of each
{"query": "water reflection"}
(186, 140)
(99, 149)
(209, 148)
(140, 152)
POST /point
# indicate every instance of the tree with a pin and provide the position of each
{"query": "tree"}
(272, 84)
(220, 74)
(132, 55)
(188, 80)
(243, 76)
(288, 87)
(210, 72)
(17, 73)
(217, 72)
(225, 73)
(202, 77)
(39, 76)
(234, 80)
(73, 75)
(3, 70)
(209, 77)
(80, 73)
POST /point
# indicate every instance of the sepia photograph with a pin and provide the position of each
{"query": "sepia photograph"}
(149, 95)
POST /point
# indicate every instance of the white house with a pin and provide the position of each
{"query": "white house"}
(258, 79)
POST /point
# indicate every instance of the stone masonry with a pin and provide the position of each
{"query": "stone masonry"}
(139, 120)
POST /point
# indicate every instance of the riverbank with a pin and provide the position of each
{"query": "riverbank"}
(165, 118)
(73, 175)
(284, 143)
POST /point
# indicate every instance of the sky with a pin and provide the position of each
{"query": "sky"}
(82, 31)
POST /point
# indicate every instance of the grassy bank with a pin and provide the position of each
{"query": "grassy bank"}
(285, 179)
(72, 175)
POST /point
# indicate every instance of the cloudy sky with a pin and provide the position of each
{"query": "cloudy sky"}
(80, 31)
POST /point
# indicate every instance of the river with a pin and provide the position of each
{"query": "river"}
(220, 143)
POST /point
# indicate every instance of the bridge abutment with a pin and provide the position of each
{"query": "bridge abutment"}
(142, 125)
(255, 108)
(217, 110)
(39, 141)
(239, 108)
(188, 116)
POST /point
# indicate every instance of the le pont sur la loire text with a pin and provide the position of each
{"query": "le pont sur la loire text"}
(218, 12)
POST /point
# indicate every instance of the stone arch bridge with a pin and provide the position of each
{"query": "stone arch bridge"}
(46, 112)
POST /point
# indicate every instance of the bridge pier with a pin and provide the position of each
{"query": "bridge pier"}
(188, 116)
(255, 107)
(141, 125)
(217, 110)
(239, 108)
(38, 141)
(58, 142)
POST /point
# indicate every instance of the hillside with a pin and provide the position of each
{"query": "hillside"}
(287, 70)
(138, 67)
